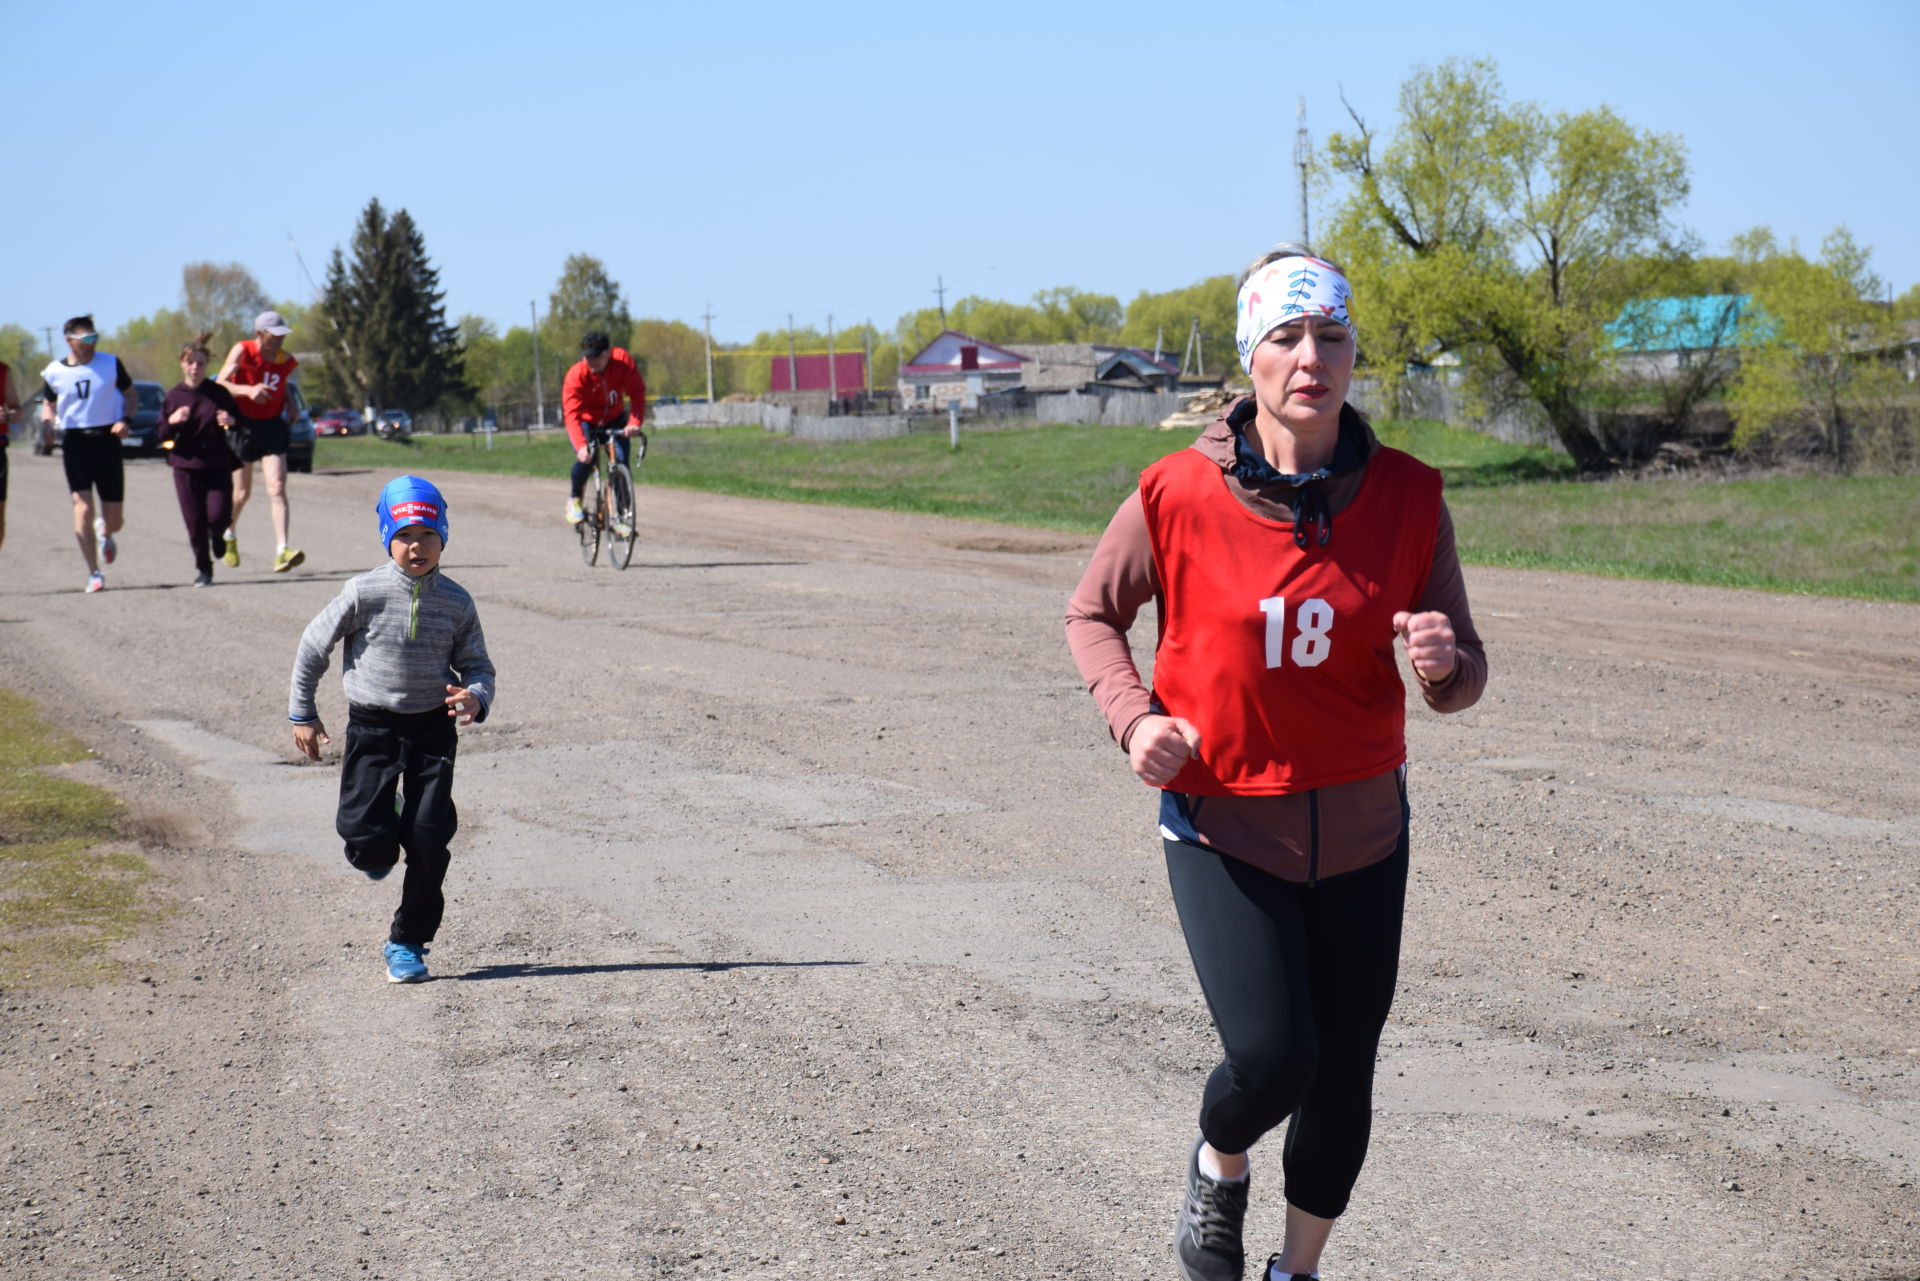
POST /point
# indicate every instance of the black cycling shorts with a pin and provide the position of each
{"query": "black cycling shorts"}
(92, 460)
(3, 471)
(264, 436)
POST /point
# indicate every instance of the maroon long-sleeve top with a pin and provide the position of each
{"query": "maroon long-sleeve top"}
(1319, 833)
(200, 442)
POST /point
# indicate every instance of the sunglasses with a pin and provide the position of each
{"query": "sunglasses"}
(84, 337)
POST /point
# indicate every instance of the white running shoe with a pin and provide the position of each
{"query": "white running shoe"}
(96, 581)
(575, 512)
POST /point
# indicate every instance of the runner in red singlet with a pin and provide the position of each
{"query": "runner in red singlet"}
(256, 373)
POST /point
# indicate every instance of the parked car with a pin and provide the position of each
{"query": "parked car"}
(143, 430)
(299, 430)
(337, 422)
(394, 424)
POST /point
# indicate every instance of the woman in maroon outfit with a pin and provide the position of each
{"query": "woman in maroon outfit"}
(194, 419)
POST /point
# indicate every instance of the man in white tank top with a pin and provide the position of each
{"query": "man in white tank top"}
(89, 396)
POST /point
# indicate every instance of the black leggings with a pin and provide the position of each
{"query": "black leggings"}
(414, 753)
(1299, 980)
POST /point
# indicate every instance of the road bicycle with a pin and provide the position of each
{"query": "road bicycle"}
(607, 501)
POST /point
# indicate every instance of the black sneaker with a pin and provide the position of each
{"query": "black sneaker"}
(1206, 1238)
(1271, 1272)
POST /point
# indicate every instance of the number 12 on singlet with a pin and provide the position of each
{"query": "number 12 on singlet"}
(1310, 643)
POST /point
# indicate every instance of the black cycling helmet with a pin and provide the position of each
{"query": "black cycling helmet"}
(594, 344)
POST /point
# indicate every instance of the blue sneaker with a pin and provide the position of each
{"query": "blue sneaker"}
(406, 963)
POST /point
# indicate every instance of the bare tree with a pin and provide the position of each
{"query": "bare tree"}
(223, 297)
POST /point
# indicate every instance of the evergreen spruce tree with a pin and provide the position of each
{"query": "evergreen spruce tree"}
(388, 342)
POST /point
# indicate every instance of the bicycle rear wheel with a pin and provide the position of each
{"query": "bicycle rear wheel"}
(590, 527)
(620, 515)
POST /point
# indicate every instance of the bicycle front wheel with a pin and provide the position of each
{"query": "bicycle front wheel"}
(590, 527)
(623, 534)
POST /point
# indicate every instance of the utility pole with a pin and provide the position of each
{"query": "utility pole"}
(793, 359)
(539, 395)
(1159, 333)
(940, 292)
(708, 318)
(1302, 159)
(833, 377)
(48, 330)
(1194, 354)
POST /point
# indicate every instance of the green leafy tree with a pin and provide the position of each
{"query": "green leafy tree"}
(149, 346)
(1075, 315)
(1168, 318)
(1907, 305)
(480, 342)
(25, 356)
(673, 357)
(1816, 364)
(386, 338)
(1506, 233)
(584, 299)
(22, 349)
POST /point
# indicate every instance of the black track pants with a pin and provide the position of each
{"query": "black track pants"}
(206, 505)
(1299, 980)
(413, 752)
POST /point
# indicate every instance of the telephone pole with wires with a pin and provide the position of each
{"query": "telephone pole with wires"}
(708, 318)
(1303, 160)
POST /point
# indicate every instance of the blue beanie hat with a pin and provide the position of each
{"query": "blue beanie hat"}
(409, 500)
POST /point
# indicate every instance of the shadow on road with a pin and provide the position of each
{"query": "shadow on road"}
(719, 564)
(532, 971)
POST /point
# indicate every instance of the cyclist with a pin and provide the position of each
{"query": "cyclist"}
(256, 375)
(590, 402)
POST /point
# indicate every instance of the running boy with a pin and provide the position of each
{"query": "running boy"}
(415, 664)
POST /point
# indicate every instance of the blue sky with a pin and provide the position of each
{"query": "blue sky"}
(836, 159)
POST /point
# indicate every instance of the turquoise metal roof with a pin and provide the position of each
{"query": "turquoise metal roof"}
(1680, 324)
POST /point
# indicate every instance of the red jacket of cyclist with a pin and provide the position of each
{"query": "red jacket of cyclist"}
(592, 399)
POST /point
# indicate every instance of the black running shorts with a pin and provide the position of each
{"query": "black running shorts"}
(264, 436)
(92, 460)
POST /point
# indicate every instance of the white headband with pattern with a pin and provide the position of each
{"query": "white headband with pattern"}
(1287, 289)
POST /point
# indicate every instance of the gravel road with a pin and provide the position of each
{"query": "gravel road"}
(804, 923)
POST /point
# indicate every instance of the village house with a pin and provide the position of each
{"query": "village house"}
(957, 368)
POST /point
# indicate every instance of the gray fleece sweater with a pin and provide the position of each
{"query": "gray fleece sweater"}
(407, 639)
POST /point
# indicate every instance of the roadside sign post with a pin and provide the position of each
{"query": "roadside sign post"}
(953, 424)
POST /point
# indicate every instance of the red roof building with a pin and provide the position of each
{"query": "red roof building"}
(846, 375)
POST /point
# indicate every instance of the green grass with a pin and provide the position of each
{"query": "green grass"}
(63, 899)
(1512, 504)
(1828, 535)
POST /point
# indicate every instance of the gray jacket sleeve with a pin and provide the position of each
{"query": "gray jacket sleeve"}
(471, 664)
(316, 648)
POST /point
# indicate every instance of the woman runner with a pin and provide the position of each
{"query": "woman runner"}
(1285, 551)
